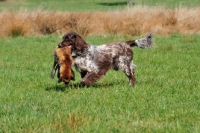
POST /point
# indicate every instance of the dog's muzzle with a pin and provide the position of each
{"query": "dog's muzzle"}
(76, 53)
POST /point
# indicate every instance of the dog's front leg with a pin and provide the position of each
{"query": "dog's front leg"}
(92, 77)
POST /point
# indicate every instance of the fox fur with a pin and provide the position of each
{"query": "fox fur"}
(63, 62)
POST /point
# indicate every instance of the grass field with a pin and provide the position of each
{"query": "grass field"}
(165, 98)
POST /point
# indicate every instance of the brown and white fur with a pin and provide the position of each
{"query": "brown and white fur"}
(63, 62)
(94, 61)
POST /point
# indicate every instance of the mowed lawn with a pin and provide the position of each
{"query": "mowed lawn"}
(166, 97)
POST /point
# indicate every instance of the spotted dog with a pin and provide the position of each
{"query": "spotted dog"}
(94, 61)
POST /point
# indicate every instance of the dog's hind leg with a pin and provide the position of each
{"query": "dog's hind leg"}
(129, 71)
(132, 79)
(130, 74)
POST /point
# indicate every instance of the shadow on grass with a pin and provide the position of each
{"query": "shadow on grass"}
(64, 88)
(123, 3)
(113, 3)
(56, 88)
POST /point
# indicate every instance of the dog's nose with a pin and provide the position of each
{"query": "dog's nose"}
(74, 55)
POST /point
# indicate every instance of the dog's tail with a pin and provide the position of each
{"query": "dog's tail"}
(143, 43)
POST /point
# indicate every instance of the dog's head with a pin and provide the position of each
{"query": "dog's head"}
(75, 41)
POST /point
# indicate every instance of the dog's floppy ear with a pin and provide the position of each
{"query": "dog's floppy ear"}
(80, 43)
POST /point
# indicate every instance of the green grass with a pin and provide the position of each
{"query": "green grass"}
(169, 3)
(65, 5)
(89, 5)
(165, 98)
